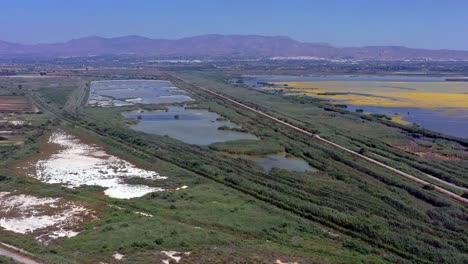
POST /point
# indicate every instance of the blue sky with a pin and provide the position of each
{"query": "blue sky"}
(414, 23)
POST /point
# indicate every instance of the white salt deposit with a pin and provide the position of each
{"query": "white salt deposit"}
(17, 122)
(175, 255)
(280, 262)
(135, 212)
(63, 233)
(48, 218)
(118, 256)
(134, 100)
(78, 164)
(143, 214)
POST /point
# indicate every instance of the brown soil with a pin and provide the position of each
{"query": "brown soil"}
(27, 165)
(425, 152)
(16, 104)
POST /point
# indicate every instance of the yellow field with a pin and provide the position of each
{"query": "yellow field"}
(399, 119)
(385, 94)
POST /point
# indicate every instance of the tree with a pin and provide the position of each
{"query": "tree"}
(362, 151)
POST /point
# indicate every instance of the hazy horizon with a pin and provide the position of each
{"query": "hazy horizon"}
(183, 37)
(415, 24)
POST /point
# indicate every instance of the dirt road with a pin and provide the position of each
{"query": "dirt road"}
(452, 195)
(10, 253)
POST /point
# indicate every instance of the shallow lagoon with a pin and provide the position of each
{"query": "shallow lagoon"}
(128, 92)
(256, 80)
(193, 126)
(448, 121)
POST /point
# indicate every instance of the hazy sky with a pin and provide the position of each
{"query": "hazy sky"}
(413, 23)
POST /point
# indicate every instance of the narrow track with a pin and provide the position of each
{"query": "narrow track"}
(452, 195)
(10, 252)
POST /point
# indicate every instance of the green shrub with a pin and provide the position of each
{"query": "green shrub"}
(356, 245)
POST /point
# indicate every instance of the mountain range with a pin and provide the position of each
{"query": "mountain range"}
(221, 46)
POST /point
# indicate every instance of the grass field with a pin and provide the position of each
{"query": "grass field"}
(248, 147)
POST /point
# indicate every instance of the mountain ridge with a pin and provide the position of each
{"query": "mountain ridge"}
(217, 45)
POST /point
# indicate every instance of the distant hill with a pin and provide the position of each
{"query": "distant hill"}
(216, 46)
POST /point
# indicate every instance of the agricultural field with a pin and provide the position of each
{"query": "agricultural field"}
(20, 119)
(94, 185)
(16, 104)
(430, 102)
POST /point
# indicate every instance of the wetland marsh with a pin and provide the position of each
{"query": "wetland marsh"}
(429, 102)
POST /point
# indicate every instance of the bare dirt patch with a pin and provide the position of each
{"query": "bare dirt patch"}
(425, 152)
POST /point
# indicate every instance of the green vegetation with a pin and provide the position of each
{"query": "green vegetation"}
(236, 129)
(5, 260)
(57, 95)
(205, 214)
(248, 147)
(349, 211)
(341, 105)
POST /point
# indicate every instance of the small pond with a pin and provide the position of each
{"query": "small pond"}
(280, 161)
